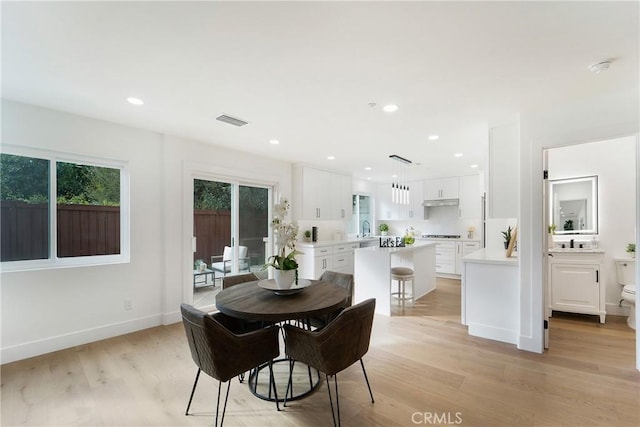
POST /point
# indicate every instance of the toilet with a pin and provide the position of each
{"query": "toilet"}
(626, 274)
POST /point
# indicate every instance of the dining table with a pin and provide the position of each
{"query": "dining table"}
(262, 301)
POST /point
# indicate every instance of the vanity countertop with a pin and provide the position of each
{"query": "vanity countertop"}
(576, 251)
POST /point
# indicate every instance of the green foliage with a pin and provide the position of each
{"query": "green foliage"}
(27, 179)
(283, 262)
(24, 179)
(631, 248)
(551, 228)
(383, 227)
(216, 196)
(507, 234)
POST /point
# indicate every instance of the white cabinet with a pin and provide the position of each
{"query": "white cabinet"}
(446, 257)
(341, 196)
(444, 188)
(315, 260)
(321, 195)
(576, 284)
(463, 249)
(470, 204)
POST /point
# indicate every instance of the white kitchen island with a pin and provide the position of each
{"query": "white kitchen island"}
(490, 295)
(372, 272)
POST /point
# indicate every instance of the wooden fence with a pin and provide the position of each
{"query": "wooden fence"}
(83, 230)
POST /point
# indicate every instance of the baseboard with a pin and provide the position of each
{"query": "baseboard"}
(493, 333)
(616, 310)
(60, 342)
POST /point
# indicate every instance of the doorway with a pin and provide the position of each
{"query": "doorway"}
(230, 233)
(614, 164)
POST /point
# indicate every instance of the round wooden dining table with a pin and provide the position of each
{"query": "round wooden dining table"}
(251, 302)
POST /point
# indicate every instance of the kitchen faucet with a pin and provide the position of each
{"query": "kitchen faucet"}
(366, 226)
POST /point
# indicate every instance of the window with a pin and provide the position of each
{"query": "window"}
(59, 211)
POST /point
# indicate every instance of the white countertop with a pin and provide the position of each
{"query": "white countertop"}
(576, 251)
(323, 243)
(483, 257)
(416, 245)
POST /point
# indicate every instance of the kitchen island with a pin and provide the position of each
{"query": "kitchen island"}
(372, 272)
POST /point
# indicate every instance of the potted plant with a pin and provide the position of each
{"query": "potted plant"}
(285, 265)
(408, 238)
(199, 265)
(551, 228)
(507, 237)
(307, 235)
(631, 250)
(384, 229)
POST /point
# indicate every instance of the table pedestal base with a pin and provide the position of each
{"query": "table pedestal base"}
(304, 381)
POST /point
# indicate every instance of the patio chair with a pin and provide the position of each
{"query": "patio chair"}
(222, 264)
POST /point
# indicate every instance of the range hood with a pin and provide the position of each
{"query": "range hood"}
(440, 202)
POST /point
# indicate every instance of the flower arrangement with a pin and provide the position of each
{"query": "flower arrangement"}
(285, 235)
(631, 249)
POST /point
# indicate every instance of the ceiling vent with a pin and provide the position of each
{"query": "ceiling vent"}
(231, 120)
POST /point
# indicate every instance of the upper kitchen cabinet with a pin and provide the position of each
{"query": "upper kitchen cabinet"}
(439, 189)
(470, 205)
(503, 171)
(321, 195)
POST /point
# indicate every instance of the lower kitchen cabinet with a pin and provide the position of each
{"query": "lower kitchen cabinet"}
(449, 255)
(315, 260)
(576, 284)
(463, 249)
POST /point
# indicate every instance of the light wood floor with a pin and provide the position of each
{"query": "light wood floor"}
(423, 367)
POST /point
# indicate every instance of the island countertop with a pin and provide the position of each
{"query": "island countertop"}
(483, 256)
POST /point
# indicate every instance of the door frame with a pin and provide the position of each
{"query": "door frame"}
(193, 170)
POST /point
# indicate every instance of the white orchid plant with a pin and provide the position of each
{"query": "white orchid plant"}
(285, 235)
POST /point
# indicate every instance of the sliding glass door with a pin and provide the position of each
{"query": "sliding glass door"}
(230, 226)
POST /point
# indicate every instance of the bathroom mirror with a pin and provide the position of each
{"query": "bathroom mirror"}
(574, 205)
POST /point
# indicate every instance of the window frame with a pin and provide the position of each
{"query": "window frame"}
(53, 261)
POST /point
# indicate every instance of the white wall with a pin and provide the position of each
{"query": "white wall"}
(47, 310)
(613, 161)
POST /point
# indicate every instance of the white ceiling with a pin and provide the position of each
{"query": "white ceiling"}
(305, 72)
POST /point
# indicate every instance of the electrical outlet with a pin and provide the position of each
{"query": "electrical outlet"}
(128, 304)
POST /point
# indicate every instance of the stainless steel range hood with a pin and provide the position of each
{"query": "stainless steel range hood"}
(440, 202)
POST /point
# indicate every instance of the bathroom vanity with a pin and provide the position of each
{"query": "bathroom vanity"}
(576, 282)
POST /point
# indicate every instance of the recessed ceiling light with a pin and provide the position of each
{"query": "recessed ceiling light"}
(331, 157)
(135, 101)
(473, 166)
(274, 142)
(598, 67)
(367, 168)
(369, 178)
(390, 108)
(433, 137)
(458, 155)
(394, 176)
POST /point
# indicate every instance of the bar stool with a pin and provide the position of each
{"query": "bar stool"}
(402, 275)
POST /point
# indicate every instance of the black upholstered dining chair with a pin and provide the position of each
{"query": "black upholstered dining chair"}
(229, 281)
(344, 280)
(330, 350)
(222, 353)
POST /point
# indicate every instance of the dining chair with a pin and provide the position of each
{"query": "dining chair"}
(344, 280)
(222, 353)
(229, 281)
(330, 350)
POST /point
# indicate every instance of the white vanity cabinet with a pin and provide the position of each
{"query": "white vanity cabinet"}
(439, 189)
(315, 259)
(576, 283)
(321, 195)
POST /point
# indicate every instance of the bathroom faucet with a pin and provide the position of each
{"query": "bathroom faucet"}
(366, 228)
